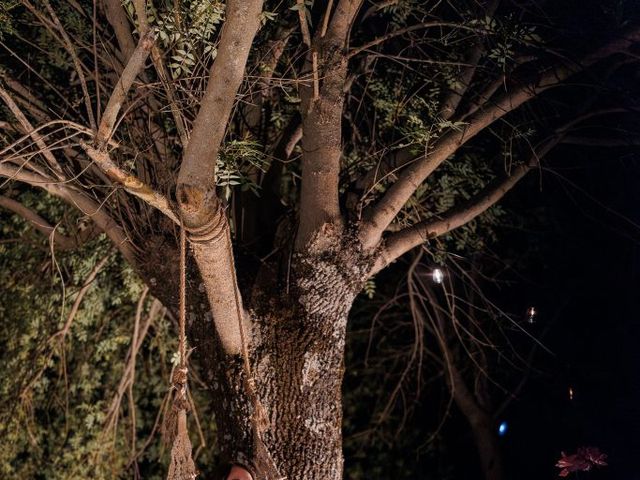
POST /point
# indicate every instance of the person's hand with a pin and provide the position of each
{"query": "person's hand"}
(239, 473)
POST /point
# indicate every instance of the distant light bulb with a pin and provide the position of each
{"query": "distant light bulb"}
(502, 429)
(437, 275)
(531, 314)
(570, 393)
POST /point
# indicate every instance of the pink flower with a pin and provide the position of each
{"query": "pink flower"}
(581, 461)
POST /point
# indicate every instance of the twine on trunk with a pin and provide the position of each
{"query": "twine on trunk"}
(174, 426)
(259, 420)
(182, 466)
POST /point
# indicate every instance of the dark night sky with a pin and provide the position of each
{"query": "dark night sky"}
(588, 285)
(583, 276)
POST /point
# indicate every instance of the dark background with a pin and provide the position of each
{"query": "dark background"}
(579, 265)
(578, 255)
(584, 280)
(586, 288)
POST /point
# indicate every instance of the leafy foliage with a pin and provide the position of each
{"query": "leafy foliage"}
(6, 25)
(57, 390)
(187, 33)
(236, 163)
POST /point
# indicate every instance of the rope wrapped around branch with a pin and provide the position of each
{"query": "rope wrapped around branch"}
(182, 466)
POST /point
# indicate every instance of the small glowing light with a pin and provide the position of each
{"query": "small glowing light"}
(570, 393)
(531, 314)
(502, 429)
(437, 275)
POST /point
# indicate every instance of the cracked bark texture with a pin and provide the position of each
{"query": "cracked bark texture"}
(298, 364)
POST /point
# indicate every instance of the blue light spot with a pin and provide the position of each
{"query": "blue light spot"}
(502, 429)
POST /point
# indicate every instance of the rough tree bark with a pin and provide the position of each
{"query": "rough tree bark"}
(298, 355)
(298, 314)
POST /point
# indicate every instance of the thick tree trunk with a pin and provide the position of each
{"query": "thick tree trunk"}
(297, 357)
(299, 373)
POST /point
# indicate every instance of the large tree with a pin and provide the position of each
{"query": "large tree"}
(323, 141)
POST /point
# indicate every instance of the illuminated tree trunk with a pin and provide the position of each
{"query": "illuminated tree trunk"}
(296, 313)
(297, 356)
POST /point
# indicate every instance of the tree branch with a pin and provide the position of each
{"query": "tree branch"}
(79, 200)
(131, 183)
(117, 18)
(322, 127)
(213, 251)
(25, 97)
(69, 46)
(381, 215)
(158, 62)
(457, 92)
(39, 223)
(401, 31)
(403, 241)
(134, 66)
(197, 172)
(202, 213)
(33, 133)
